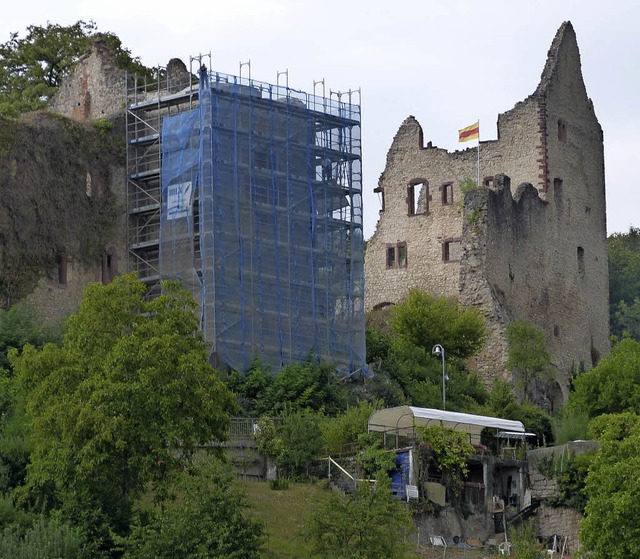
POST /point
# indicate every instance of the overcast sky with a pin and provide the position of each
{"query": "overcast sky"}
(447, 62)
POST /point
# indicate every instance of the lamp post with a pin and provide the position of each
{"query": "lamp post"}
(438, 351)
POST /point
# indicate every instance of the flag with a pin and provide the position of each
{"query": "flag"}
(469, 133)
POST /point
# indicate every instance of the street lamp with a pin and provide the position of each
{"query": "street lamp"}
(438, 351)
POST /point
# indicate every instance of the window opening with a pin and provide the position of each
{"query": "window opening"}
(451, 250)
(447, 193)
(379, 190)
(397, 255)
(62, 270)
(402, 255)
(581, 261)
(562, 131)
(391, 257)
(418, 197)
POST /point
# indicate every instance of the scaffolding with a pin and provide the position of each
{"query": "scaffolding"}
(251, 194)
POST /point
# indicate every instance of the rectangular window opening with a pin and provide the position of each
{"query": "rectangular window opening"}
(451, 250)
(562, 131)
(402, 255)
(62, 270)
(391, 257)
(447, 193)
(418, 197)
(397, 255)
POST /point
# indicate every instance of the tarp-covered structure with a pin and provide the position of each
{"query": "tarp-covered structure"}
(262, 216)
(402, 421)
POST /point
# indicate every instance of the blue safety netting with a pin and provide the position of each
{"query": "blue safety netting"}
(262, 217)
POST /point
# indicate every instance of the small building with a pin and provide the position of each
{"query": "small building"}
(496, 478)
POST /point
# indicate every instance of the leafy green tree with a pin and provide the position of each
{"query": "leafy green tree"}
(424, 321)
(367, 524)
(502, 403)
(207, 520)
(624, 283)
(122, 404)
(611, 527)
(626, 320)
(449, 450)
(18, 326)
(15, 439)
(344, 431)
(374, 461)
(417, 323)
(304, 386)
(525, 542)
(294, 442)
(527, 356)
(613, 385)
(400, 339)
(32, 67)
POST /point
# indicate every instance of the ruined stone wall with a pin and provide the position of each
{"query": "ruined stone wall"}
(58, 293)
(577, 190)
(535, 253)
(562, 522)
(95, 89)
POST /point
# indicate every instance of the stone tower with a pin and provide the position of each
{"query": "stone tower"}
(537, 252)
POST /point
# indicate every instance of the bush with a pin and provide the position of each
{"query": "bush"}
(369, 523)
(47, 537)
(208, 519)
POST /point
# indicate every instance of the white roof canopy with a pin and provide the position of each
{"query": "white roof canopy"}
(403, 419)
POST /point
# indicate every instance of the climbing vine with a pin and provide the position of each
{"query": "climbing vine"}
(449, 450)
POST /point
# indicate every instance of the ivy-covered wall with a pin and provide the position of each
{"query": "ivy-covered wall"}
(57, 201)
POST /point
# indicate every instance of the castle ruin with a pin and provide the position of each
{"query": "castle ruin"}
(528, 244)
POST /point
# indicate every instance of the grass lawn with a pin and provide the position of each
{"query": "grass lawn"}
(284, 514)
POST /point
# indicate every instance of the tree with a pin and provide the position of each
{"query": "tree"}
(207, 520)
(423, 321)
(624, 283)
(121, 404)
(32, 67)
(611, 527)
(613, 385)
(345, 430)
(294, 442)
(367, 524)
(527, 356)
(404, 353)
(502, 403)
(450, 450)
(306, 386)
(18, 326)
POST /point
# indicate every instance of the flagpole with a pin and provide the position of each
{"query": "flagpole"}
(478, 164)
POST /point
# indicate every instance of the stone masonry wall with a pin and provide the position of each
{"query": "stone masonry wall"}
(559, 521)
(562, 522)
(535, 253)
(95, 89)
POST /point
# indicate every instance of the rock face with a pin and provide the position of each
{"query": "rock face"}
(537, 252)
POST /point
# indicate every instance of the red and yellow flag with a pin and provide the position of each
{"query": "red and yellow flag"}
(469, 133)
